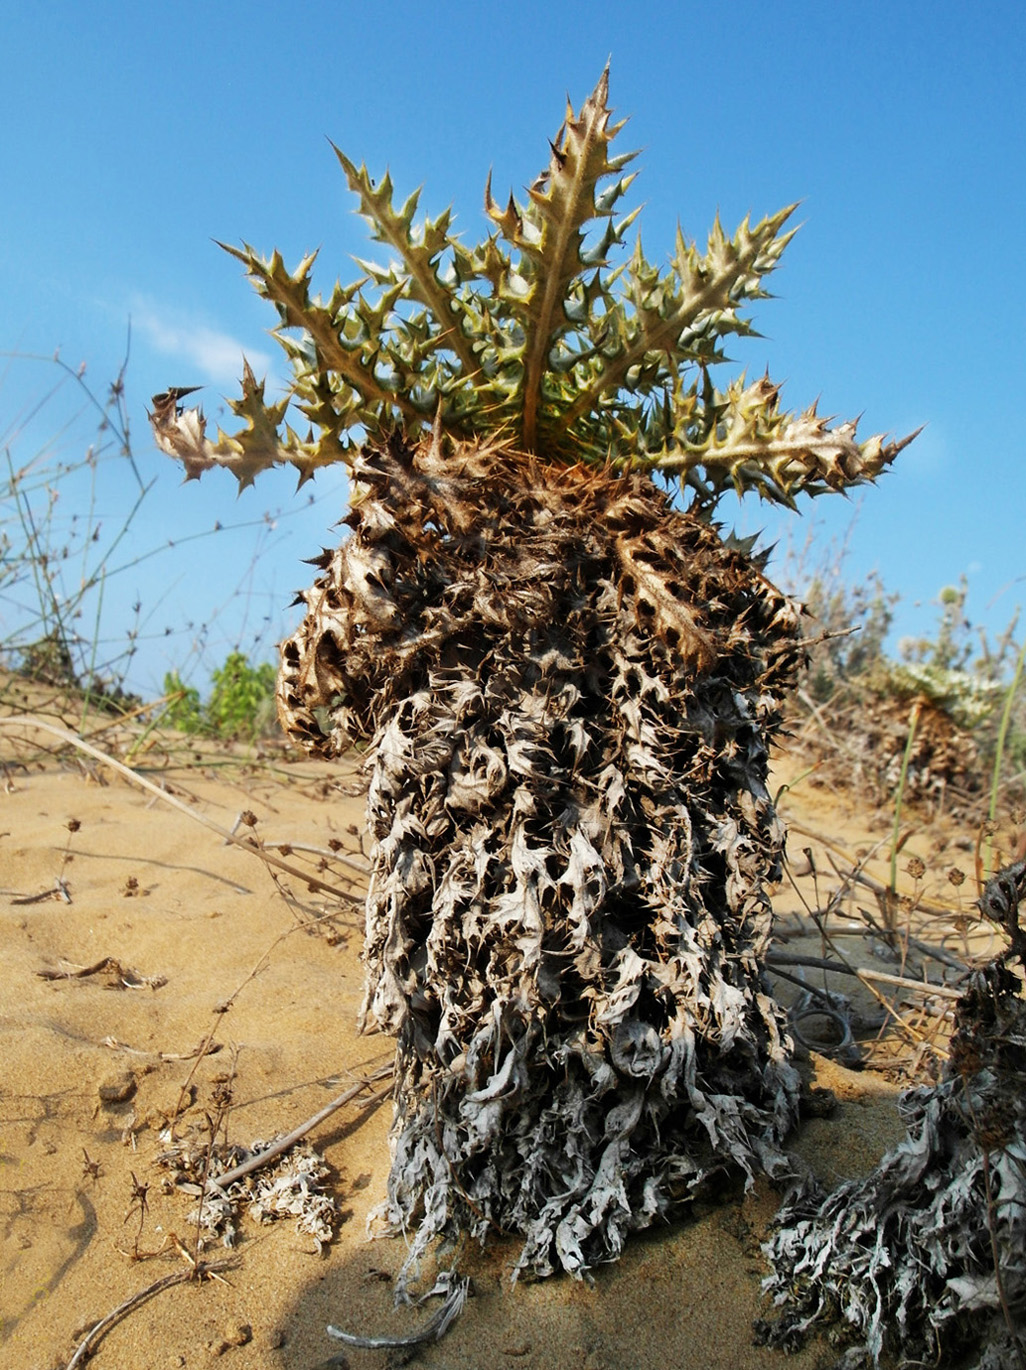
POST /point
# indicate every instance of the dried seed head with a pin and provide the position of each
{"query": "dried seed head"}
(956, 876)
(73, 825)
(221, 1095)
(916, 867)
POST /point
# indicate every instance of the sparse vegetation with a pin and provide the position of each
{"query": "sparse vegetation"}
(72, 506)
(562, 672)
(58, 544)
(240, 706)
(853, 707)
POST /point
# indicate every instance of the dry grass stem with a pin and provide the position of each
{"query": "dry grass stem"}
(903, 982)
(313, 882)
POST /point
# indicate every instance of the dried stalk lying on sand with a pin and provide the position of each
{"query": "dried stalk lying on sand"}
(313, 882)
(454, 1289)
(222, 1182)
(204, 1270)
(124, 977)
(221, 1175)
(777, 959)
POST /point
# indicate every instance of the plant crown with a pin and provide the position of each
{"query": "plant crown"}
(533, 336)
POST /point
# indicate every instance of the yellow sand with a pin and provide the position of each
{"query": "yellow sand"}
(279, 991)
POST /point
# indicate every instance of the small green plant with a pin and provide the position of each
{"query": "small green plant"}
(241, 703)
(184, 711)
(240, 706)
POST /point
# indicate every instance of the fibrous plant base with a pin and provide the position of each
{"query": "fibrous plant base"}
(926, 1257)
(569, 689)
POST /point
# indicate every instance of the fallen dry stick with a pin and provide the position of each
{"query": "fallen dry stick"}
(229, 1178)
(904, 982)
(86, 1347)
(778, 959)
(59, 890)
(73, 740)
(204, 1049)
(129, 979)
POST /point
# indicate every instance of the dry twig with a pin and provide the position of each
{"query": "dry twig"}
(455, 1289)
(283, 1144)
(313, 882)
(205, 1270)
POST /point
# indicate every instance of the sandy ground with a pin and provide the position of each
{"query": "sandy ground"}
(93, 1071)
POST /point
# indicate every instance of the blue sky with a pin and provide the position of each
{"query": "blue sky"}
(135, 135)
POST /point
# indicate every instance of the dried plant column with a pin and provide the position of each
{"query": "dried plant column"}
(568, 686)
(569, 689)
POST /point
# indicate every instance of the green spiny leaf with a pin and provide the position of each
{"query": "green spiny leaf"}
(536, 336)
(420, 257)
(549, 234)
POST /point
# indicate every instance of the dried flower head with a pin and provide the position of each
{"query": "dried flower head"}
(916, 867)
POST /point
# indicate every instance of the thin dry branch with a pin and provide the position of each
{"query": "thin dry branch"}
(455, 1289)
(903, 1025)
(777, 959)
(73, 740)
(903, 982)
(124, 977)
(343, 858)
(88, 1345)
(223, 1182)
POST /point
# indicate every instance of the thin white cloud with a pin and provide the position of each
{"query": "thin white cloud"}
(210, 355)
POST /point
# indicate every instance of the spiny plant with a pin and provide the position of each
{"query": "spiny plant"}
(923, 1260)
(569, 686)
(547, 347)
